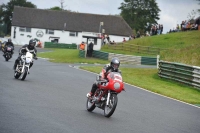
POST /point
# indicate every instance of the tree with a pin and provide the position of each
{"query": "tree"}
(140, 14)
(56, 8)
(6, 11)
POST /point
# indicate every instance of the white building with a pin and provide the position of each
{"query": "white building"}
(66, 27)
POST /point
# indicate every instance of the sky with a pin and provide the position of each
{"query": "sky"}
(173, 12)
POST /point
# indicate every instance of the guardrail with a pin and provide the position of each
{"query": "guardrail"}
(186, 74)
(130, 59)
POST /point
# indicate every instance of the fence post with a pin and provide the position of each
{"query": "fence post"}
(158, 58)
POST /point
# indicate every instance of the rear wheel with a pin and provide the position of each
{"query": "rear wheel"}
(90, 106)
(110, 108)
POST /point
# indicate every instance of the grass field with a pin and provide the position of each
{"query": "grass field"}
(183, 47)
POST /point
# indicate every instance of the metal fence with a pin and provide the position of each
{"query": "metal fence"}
(135, 48)
(129, 59)
(186, 74)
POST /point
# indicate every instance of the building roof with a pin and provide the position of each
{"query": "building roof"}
(55, 20)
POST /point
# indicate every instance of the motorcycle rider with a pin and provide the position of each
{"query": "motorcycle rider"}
(23, 50)
(8, 44)
(112, 67)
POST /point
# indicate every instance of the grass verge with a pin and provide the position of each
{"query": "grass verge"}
(69, 56)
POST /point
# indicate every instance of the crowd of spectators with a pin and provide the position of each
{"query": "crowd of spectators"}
(155, 30)
(185, 26)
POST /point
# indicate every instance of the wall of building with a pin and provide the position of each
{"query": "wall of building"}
(22, 38)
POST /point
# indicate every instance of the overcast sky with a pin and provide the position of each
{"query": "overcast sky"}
(172, 11)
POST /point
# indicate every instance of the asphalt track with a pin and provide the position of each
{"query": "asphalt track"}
(52, 99)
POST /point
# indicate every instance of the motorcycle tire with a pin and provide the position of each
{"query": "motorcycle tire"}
(7, 57)
(24, 73)
(110, 109)
(90, 106)
(17, 75)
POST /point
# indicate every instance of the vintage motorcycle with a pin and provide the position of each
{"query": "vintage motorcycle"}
(23, 67)
(105, 96)
(8, 52)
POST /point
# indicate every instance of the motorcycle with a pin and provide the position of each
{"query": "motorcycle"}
(8, 52)
(105, 97)
(23, 66)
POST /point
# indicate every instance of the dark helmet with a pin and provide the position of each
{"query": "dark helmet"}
(31, 44)
(9, 40)
(115, 63)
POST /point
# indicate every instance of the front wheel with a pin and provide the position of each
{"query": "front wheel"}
(110, 108)
(24, 73)
(90, 106)
(7, 57)
(17, 74)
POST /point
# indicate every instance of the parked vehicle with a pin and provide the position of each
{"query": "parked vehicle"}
(105, 96)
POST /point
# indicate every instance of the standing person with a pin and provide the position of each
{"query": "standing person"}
(161, 29)
(108, 38)
(82, 46)
(90, 51)
(9, 43)
(138, 34)
(158, 29)
(124, 40)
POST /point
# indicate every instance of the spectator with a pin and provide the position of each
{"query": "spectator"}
(182, 26)
(90, 49)
(130, 37)
(108, 38)
(138, 34)
(82, 46)
(124, 40)
(177, 28)
(158, 29)
(161, 29)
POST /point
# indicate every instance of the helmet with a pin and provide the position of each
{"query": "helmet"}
(115, 63)
(31, 44)
(9, 40)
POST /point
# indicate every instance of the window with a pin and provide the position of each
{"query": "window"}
(24, 29)
(73, 33)
(50, 32)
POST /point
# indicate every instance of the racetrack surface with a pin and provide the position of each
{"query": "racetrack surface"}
(52, 99)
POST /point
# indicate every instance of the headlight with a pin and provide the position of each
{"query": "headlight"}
(28, 60)
(116, 85)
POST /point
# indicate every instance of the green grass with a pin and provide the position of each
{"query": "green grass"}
(69, 56)
(149, 80)
(182, 47)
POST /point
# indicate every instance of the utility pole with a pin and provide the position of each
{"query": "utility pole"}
(62, 4)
